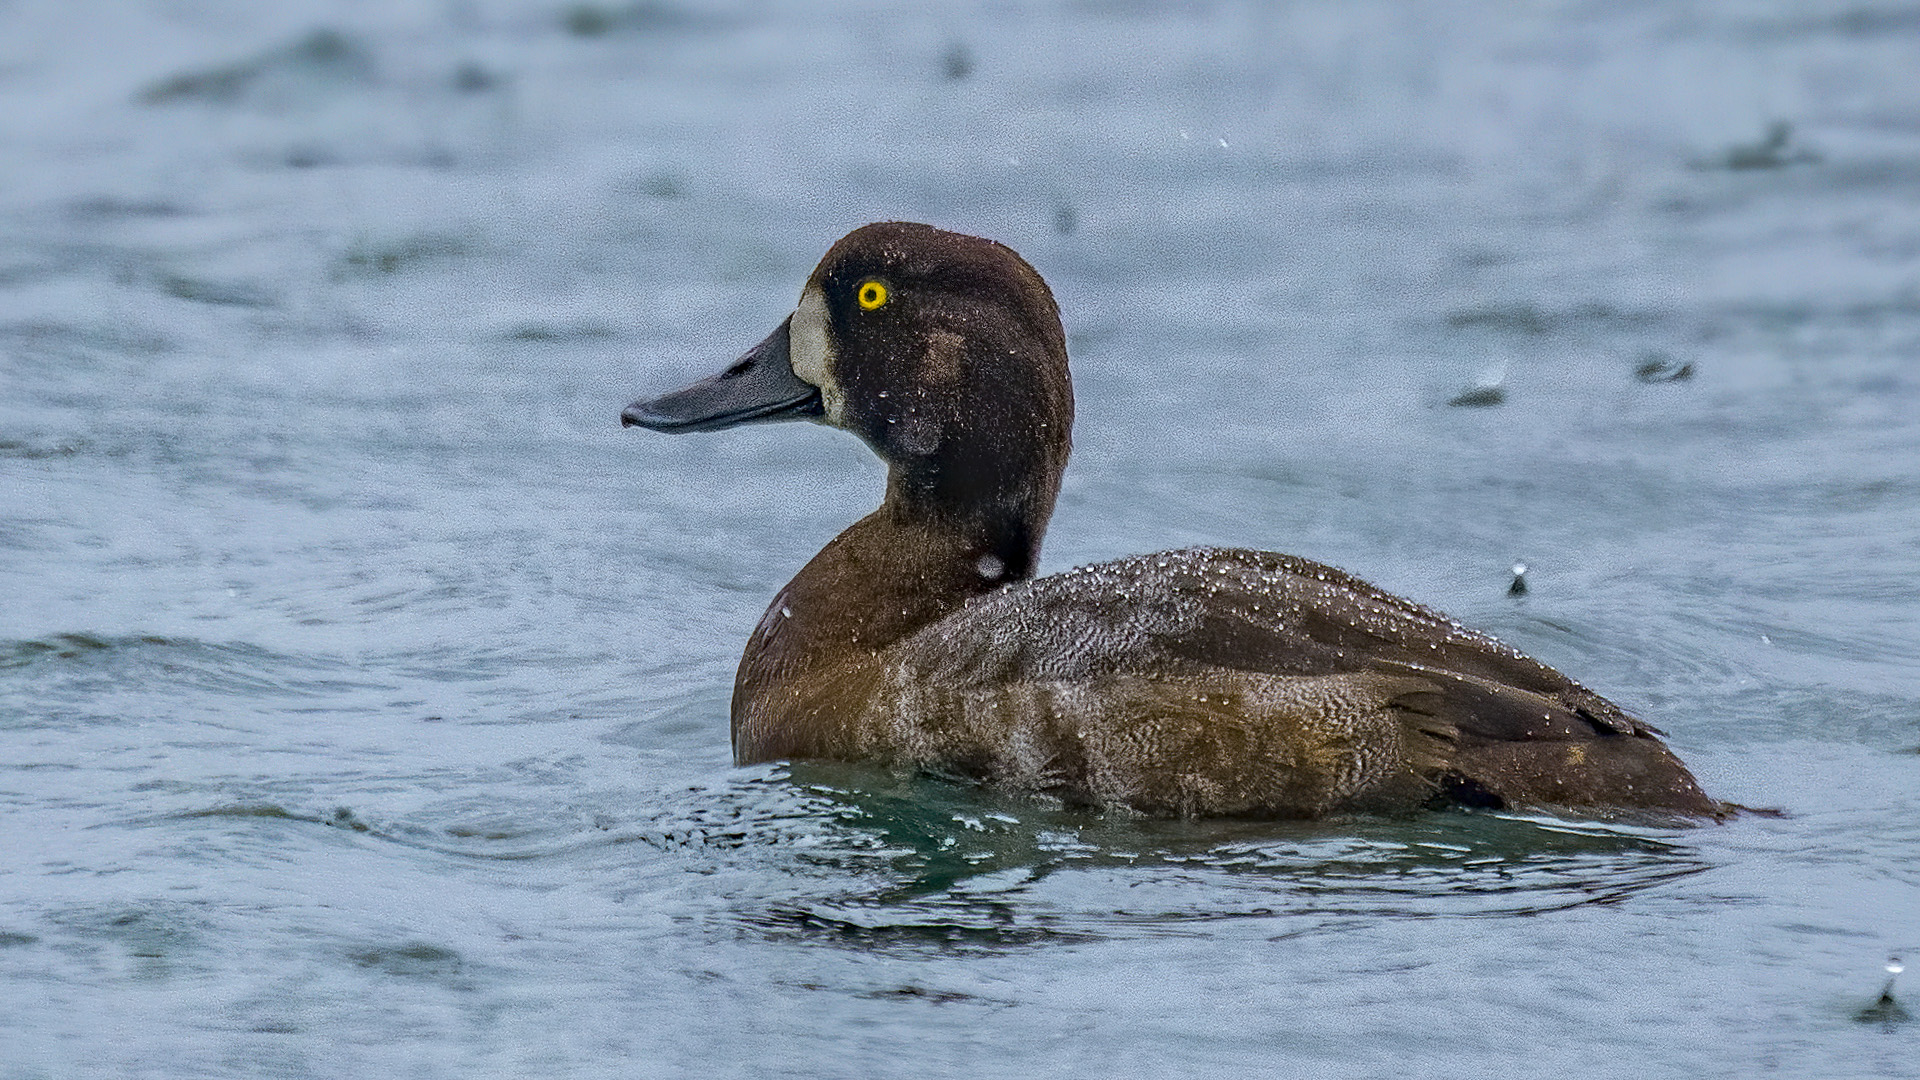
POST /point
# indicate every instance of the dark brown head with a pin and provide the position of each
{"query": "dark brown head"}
(943, 351)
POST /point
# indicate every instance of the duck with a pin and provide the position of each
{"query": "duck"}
(1204, 682)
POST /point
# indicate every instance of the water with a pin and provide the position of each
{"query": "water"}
(363, 685)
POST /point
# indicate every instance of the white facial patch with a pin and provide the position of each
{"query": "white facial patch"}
(810, 350)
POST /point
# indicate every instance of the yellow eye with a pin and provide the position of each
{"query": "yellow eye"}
(872, 294)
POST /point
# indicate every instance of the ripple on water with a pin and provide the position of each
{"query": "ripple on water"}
(78, 667)
(741, 811)
(860, 859)
(77, 679)
(415, 960)
(324, 60)
(149, 940)
(948, 867)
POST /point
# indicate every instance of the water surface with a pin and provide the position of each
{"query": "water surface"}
(363, 686)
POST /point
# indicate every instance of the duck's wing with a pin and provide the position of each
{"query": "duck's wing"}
(1509, 730)
(1211, 608)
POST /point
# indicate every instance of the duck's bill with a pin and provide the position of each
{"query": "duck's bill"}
(759, 386)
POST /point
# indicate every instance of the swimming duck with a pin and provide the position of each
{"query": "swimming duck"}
(1201, 682)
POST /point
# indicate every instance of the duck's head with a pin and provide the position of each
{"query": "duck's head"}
(943, 351)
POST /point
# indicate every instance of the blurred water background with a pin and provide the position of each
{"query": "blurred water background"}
(363, 685)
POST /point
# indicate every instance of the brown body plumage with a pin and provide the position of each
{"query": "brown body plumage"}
(1197, 682)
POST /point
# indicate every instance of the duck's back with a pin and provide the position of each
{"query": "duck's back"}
(1211, 681)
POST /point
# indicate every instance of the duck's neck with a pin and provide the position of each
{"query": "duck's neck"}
(905, 565)
(889, 574)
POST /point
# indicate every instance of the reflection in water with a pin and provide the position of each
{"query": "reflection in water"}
(962, 867)
(1886, 1010)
